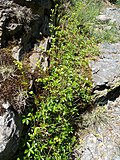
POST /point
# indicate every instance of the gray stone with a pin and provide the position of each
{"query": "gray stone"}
(100, 139)
(12, 104)
(113, 14)
(42, 46)
(103, 18)
(10, 130)
(17, 52)
(39, 59)
(39, 56)
(22, 23)
(34, 58)
(106, 69)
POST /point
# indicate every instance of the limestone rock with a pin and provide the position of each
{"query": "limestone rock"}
(113, 14)
(106, 68)
(10, 130)
(39, 56)
(17, 52)
(39, 59)
(100, 139)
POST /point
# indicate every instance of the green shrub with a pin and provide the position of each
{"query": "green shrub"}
(118, 2)
(64, 89)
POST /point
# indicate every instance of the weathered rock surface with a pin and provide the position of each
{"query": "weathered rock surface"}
(39, 56)
(100, 139)
(12, 103)
(22, 23)
(110, 14)
(113, 14)
(106, 70)
(10, 130)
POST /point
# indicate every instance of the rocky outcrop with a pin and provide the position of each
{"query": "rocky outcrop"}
(106, 68)
(13, 98)
(106, 71)
(22, 23)
(24, 26)
(100, 138)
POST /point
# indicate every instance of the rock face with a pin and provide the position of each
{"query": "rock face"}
(24, 25)
(106, 70)
(100, 139)
(10, 130)
(12, 103)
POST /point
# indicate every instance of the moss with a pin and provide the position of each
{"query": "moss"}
(13, 85)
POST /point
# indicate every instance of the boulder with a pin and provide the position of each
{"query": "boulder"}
(103, 18)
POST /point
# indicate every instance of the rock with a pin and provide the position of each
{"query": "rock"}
(22, 23)
(100, 138)
(34, 58)
(39, 59)
(103, 18)
(108, 28)
(10, 131)
(17, 52)
(42, 46)
(39, 56)
(113, 14)
(12, 104)
(106, 68)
